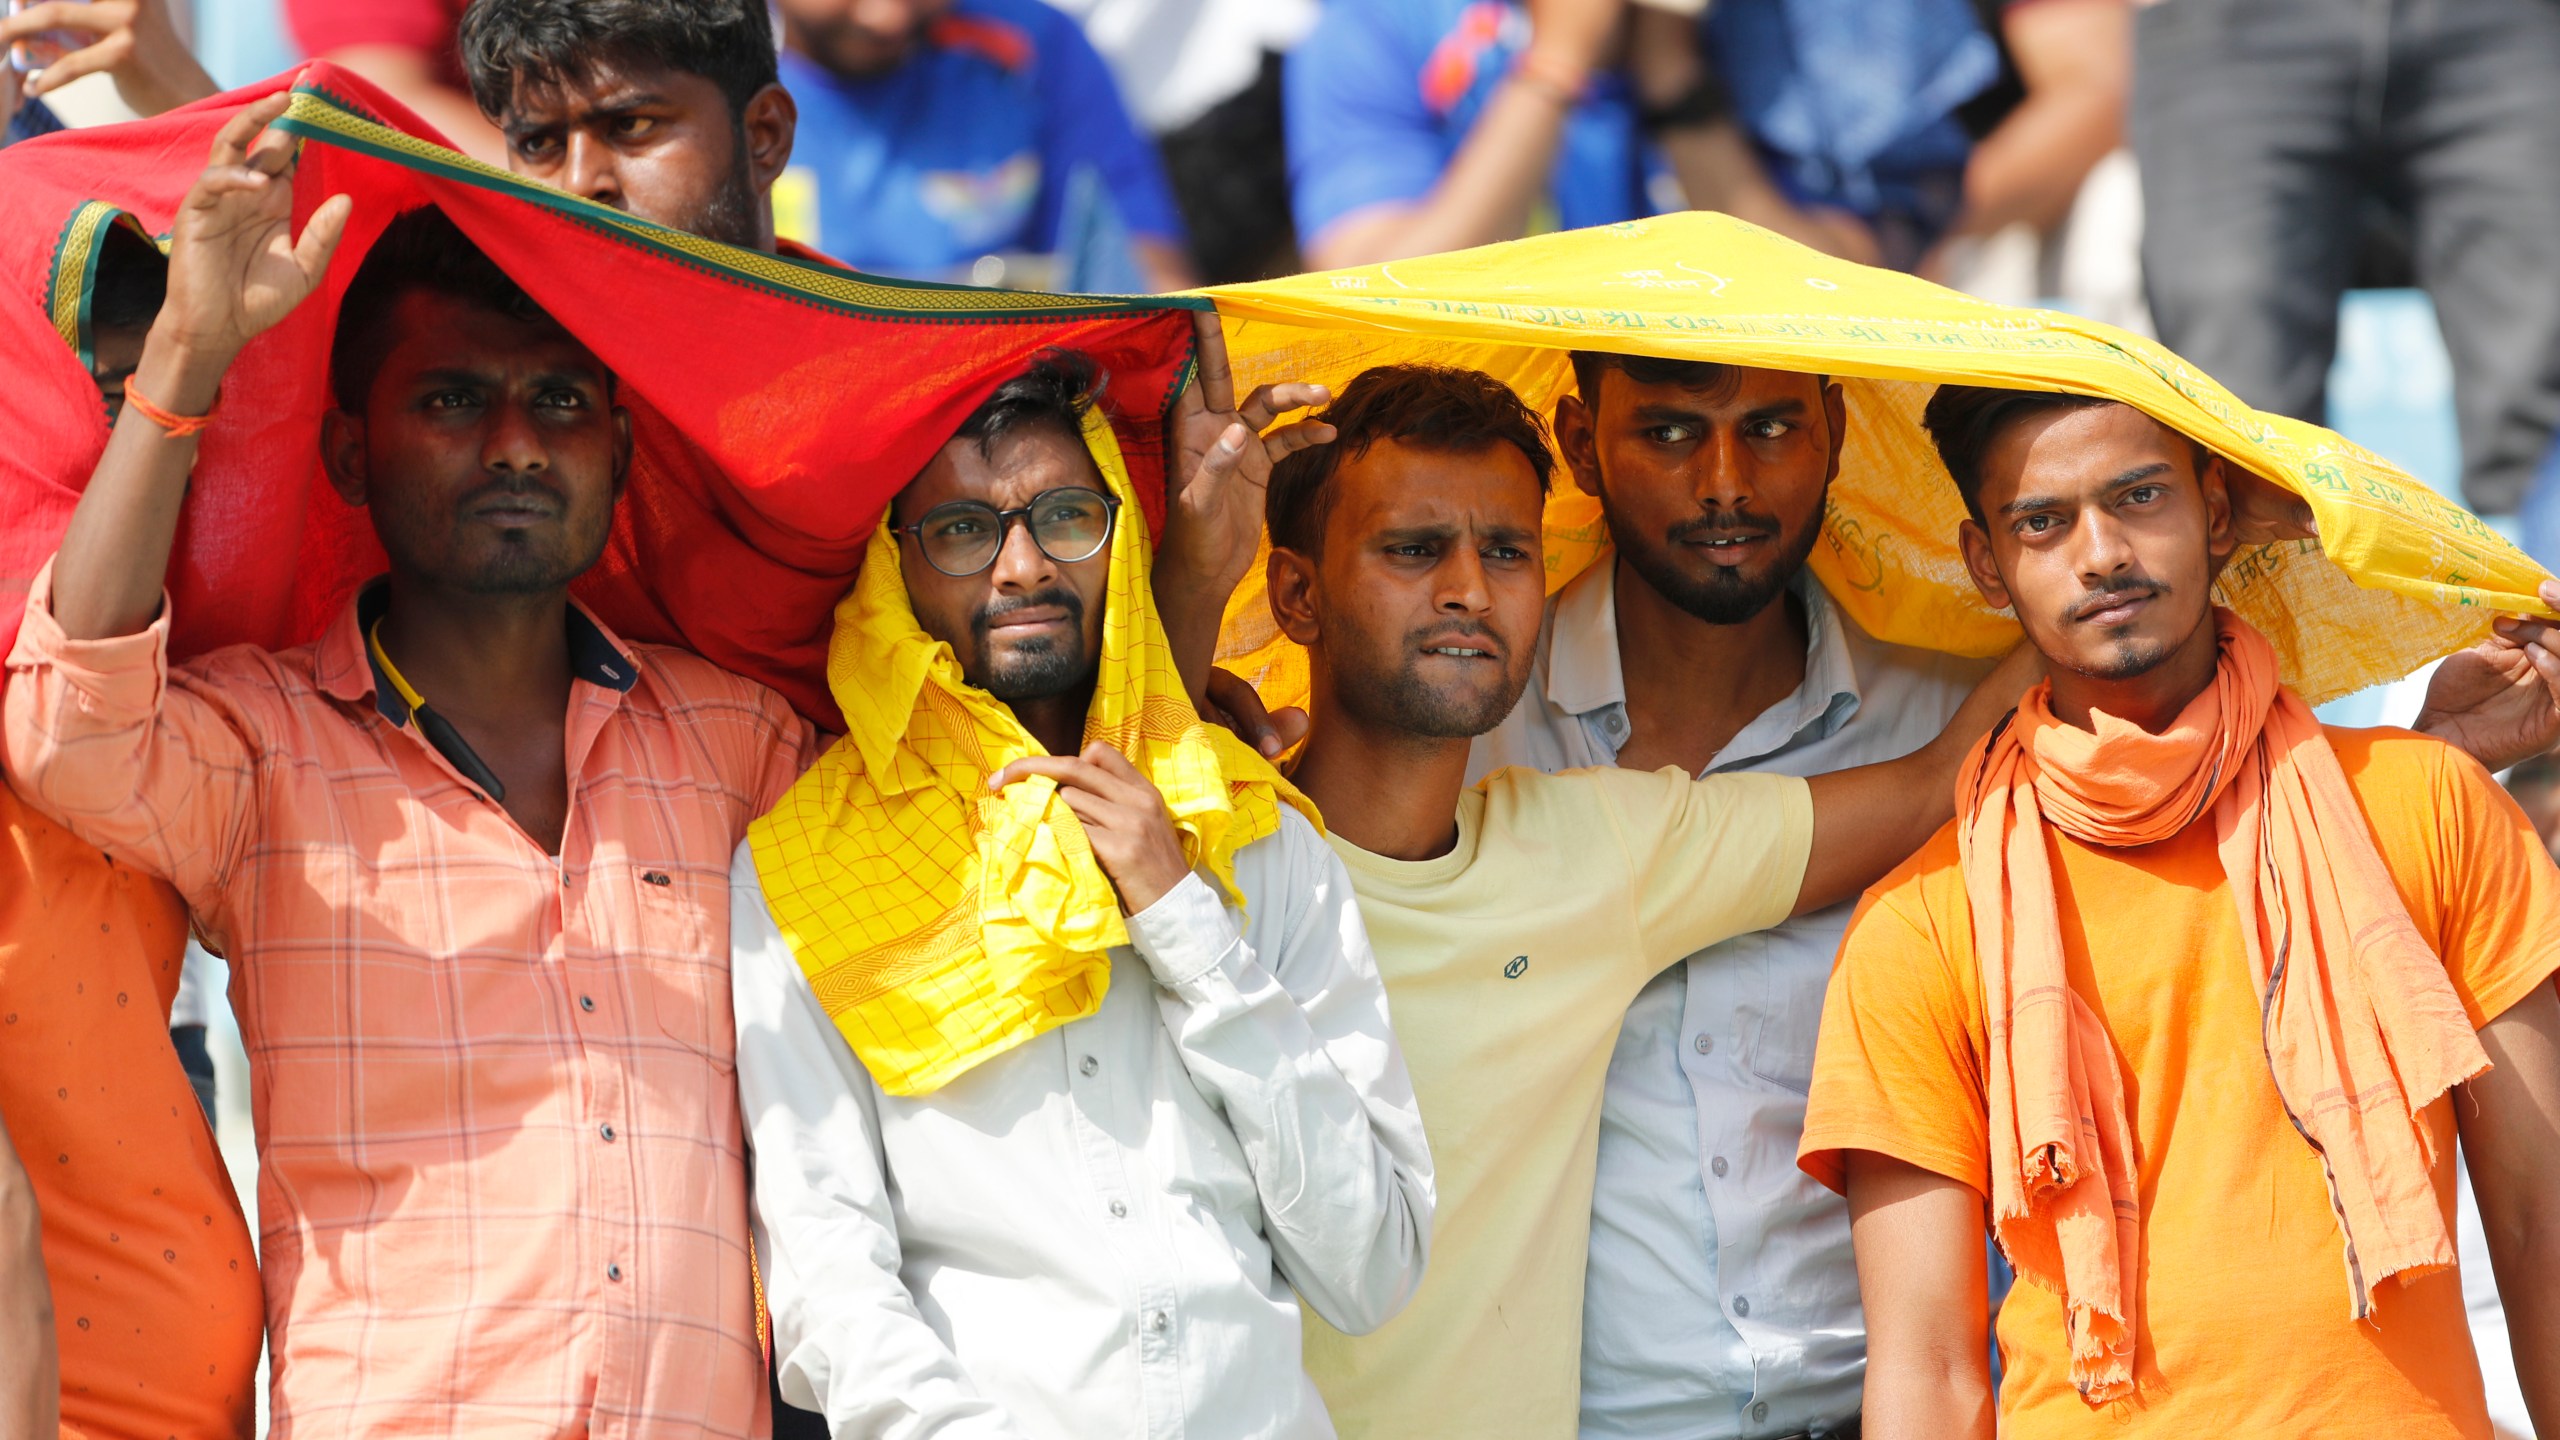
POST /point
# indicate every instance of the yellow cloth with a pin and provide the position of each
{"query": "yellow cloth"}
(1510, 963)
(942, 924)
(2399, 576)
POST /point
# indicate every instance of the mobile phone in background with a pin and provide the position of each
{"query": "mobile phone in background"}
(43, 48)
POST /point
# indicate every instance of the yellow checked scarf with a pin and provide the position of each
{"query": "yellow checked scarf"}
(941, 924)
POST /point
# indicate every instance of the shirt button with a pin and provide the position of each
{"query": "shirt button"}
(587, 1003)
(1119, 1210)
(606, 1130)
(1160, 1322)
(1759, 1411)
(1705, 1043)
(1089, 1065)
(613, 1273)
(1719, 1167)
(1741, 1305)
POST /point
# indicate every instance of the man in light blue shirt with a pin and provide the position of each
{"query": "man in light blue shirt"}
(1721, 1299)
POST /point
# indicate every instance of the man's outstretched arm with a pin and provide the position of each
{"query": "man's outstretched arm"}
(1869, 819)
(234, 270)
(1919, 1239)
(2510, 1119)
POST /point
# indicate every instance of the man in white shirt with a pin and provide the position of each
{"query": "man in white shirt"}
(1721, 1298)
(1091, 1226)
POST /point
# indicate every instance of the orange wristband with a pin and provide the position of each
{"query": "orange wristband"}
(178, 426)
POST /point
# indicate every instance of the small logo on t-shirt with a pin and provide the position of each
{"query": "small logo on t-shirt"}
(1512, 971)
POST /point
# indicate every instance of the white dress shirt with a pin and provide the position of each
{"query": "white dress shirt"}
(1095, 1233)
(1722, 1297)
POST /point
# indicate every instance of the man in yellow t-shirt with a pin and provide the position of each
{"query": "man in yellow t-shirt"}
(2242, 1222)
(1513, 922)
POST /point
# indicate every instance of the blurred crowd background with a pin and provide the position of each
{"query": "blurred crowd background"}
(2344, 210)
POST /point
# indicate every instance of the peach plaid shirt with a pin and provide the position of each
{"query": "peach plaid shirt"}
(502, 1184)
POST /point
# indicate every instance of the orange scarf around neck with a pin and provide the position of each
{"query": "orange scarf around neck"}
(2363, 1029)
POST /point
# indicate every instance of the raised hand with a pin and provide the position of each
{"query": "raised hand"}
(1221, 459)
(235, 268)
(1124, 819)
(132, 41)
(2499, 701)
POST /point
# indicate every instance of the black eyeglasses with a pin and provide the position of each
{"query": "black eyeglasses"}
(964, 537)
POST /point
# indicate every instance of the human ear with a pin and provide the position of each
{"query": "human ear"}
(2219, 537)
(342, 455)
(1835, 412)
(1581, 447)
(771, 121)
(1975, 542)
(1289, 584)
(621, 449)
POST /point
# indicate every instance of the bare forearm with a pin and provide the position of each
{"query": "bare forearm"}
(2529, 1288)
(1868, 819)
(2510, 1123)
(114, 560)
(30, 1380)
(1485, 195)
(2030, 168)
(1192, 618)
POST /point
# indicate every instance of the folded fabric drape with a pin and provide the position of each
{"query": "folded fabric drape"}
(2363, 1029)
(941, 924)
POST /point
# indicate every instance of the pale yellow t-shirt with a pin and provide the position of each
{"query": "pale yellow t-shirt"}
(1509, 962)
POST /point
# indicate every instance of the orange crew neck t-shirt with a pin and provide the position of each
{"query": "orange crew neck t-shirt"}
(2244, 1295)
(155, 1285)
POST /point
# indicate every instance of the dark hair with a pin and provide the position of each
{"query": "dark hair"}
(421, 250)
(1964, 420)
(1590, 365)
(1056, 391)
(508, 43)
(1431, 407)
(133, 279)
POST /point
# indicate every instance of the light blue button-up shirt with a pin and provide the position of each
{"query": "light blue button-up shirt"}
(1722, 1298)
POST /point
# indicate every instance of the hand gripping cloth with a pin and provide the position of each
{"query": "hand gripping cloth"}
(941, 924)
(2363, 1029)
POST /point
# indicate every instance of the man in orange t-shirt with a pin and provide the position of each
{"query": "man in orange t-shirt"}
(2183, 1269)
(155, 1285)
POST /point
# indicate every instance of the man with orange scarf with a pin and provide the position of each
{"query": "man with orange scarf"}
(2184, 993)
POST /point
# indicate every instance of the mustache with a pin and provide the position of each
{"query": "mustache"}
(512, 487)
(2099, 597)
(1004, 605)
(1722, 527)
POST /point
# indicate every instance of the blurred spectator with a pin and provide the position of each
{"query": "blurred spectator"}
(936, 132)
(131, 42)
(407, 48)
(2056, 108)
(672, 110)
(1852, 106)
(1417, 126)
(1204, 77)
(2266, 130)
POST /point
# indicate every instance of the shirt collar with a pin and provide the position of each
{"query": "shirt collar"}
(1584, 674)
(344, 667)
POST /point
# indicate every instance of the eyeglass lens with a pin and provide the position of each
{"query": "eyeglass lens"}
(964, 537)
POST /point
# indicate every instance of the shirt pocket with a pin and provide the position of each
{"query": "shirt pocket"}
(1793, 976)
(679, 959)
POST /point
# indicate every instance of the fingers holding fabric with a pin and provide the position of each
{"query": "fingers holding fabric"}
(1124, 819)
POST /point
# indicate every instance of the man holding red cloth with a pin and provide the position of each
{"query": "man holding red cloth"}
(2185, 993)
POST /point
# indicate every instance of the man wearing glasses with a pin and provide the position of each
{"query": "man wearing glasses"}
(1062, 1052)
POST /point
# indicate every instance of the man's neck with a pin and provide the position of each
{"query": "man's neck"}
(1691, 685)
(1056, 721)
(1391, 793)
(497, 659)
(2153, 699)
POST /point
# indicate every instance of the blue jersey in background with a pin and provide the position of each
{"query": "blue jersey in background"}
(972, 147)
(1382, 94)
